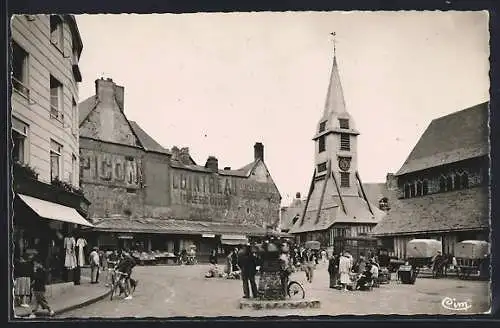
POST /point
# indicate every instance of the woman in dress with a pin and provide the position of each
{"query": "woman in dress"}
(23, 270)
(345, 266)
(70, 258)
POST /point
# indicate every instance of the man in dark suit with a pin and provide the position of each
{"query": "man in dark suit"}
(247, 263)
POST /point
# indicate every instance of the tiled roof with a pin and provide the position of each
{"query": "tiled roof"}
(244, 172)
(375, 191)
(146, 141)
(149, 225)
(289, 212)
(85, 107)
(451, 138)
(357, 212)
(457, 210)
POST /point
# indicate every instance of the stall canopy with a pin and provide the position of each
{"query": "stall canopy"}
(234, 240)
(54, 211)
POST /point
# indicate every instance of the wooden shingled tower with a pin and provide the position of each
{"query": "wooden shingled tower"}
(336, 192)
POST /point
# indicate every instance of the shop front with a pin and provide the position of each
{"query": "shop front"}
(50, 232)
(153, 236)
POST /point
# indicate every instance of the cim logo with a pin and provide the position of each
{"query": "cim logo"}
(454, 305)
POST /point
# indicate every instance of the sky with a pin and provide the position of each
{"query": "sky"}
(219, 82)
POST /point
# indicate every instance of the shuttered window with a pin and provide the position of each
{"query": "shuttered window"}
(345, 142)
(344, 179)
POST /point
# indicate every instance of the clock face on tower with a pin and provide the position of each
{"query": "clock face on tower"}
(344, 163)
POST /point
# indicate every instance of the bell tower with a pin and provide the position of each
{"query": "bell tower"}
(336, 196)
(335, 140)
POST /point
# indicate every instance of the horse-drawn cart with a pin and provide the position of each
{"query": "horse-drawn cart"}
(472, 256)
(420, 254)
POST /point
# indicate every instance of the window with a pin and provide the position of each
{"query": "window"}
(56, 32)
(412, 190)
(407, 191)
(55, 98)
(322, 126)
(55, 158)
(464, 181)
(344, 179)
(344, 123)
(74, 114)
(442, 183)
(345, 142)
(456, 181)
(419, 188)
(322, 167)
(20, 70)
(321, 144)
(449, 183)
(19, 138)
(425, 187)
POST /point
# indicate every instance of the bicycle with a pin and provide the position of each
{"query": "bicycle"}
(120, 283)
(295, 290)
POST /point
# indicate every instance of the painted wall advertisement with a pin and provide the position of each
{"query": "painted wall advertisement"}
(190, 188)
(112, 169)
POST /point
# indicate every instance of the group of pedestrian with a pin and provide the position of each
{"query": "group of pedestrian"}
(346, 273)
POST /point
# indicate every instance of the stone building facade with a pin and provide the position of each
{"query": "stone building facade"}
(122, 169)
(443, 185)
(145, 194)
(48, 202)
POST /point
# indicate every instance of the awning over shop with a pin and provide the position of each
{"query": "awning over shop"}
(54, 211)
(234, 240)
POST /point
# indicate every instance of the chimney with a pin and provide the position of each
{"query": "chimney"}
(108, 92)
(212, 164)
(391, 181)
(258, 151)
(119, 94)
(184, 155)
(175, 153)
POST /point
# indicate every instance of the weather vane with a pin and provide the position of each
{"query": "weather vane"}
(333, 34)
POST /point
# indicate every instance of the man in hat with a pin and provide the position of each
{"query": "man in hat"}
(248, 265)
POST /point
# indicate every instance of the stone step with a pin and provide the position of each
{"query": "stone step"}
(257, 304)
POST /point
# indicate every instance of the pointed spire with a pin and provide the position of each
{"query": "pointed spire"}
(335, 96)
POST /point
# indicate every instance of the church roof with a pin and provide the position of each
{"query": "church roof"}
(450, 211)
(455, 137)
(357, 212)
(335, 96)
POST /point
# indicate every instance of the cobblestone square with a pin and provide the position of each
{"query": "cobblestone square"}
(172, 291)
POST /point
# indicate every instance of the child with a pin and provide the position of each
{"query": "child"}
(39, 282)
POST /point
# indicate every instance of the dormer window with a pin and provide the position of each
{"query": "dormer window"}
(344, 123)
(322, 126)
